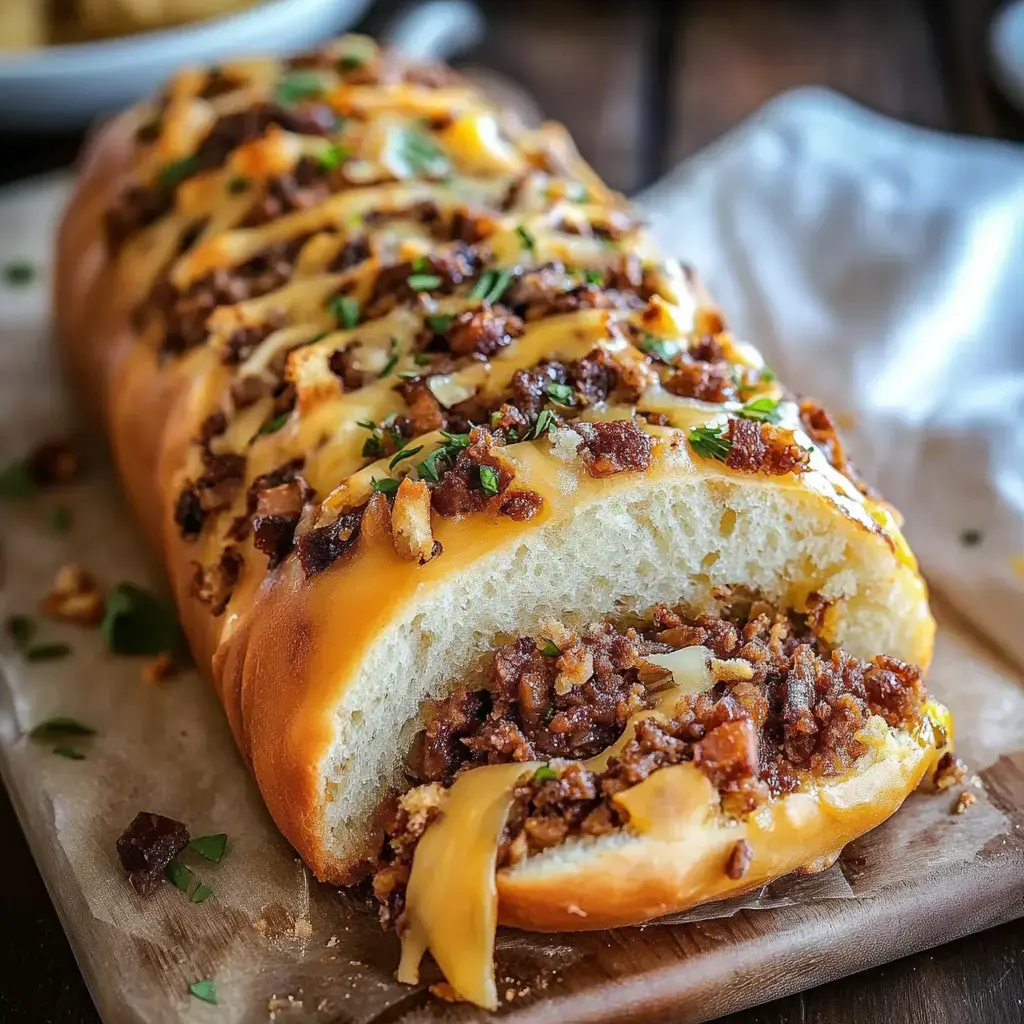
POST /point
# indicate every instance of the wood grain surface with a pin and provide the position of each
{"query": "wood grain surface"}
(641, 85)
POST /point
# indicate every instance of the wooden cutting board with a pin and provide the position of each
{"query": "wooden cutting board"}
(277, 942)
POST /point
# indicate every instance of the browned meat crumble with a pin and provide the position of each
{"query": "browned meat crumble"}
(798, 714)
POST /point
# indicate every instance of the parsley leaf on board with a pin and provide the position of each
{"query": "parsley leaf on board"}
(210, 848)
(138, 622)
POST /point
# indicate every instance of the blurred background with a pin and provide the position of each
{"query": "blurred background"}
(641, 84)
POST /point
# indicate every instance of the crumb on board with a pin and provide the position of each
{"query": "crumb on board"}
(332, 942)
(155, 670)
(444, 991)
(303, 928)
(950, 771)
(260, 926)
(74, 597)
(963, 801)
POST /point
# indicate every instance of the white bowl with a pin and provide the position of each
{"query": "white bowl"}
(64, 87)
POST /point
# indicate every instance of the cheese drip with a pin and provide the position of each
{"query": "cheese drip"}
(451, 902)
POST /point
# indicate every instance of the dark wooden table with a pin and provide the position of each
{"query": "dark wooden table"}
(644, 84)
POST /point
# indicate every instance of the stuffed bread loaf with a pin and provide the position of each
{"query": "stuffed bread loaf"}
(458, 482)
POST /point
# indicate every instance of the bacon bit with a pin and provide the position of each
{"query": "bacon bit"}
(55, 462)
(278, 510)
(707, 382)
(213, 586)
(739, 860)
(74, 597)
(950, 771)
(520, 505)
(482, 332)
(410, 522)
(728, 752)
(157, 669)
(322, 547)
(963, 801)
(575, 667)
(614, 446)
(147, 846)
(763, 448)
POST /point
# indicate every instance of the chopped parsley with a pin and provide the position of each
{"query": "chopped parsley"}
(439, 324)
(21, 629)
(491, 286)
(205, 990)
(345, 309)
(210, 848)
(421, 265)
(173, 174)
(764, 410)
(560, 393)
(138, 622)
(331, 158)
(658, 347)
(422, 359)
(489, 480)
(202, 894)
(19, 273)
(423, 282)
(273, 425)
(766, 373)
(971, 538)
(529, 242)
(392, 359)
(545, 773)
(58, 728)
(422, 154)
(238, 184)
(70, 753)
(550, 649)
(389, 485)
(710, 443)
(180, 876)
(16, 481)
(445, 454)
(350, 62)
(544, 425)
(47, 652)
(297, 86)
(595, 277)
(60, 519)
(405, 453)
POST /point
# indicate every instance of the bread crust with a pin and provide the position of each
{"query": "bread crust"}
(289, 649)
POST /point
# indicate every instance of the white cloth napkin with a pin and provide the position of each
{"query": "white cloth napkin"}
(880, 268)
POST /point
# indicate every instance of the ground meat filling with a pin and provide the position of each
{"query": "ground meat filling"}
(797, 715)
(763, 448)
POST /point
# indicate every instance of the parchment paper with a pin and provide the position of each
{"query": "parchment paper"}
(282, 947)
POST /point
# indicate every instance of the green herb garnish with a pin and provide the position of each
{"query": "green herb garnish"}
(386, 486)
(439, 324)
(350, 62)
(60, 519)
(489, 480)
(137, 622)
(202, 894)
(764, 410)
(272, 426)
(344, 309)
(491, 286)
(56, 728)
(593, 277)
(16, 481)
(47, 652)
(210, 847)
(766, 373)
(392, 359)
(710, 443)
(550, 649)
(544, 425)
(19, 273)
(529, 242)
(422, 154)
(423, 282)
(297, 86)
(446, 453)
(205, 990)
(560, 393)
(21, 629)
(173, 174)
(179, 875)
(405, 453)
(331, 158)
(658, 347)
(545, 773)
(422, 359)
(70, 753)
(421, 265)
(238, 184)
